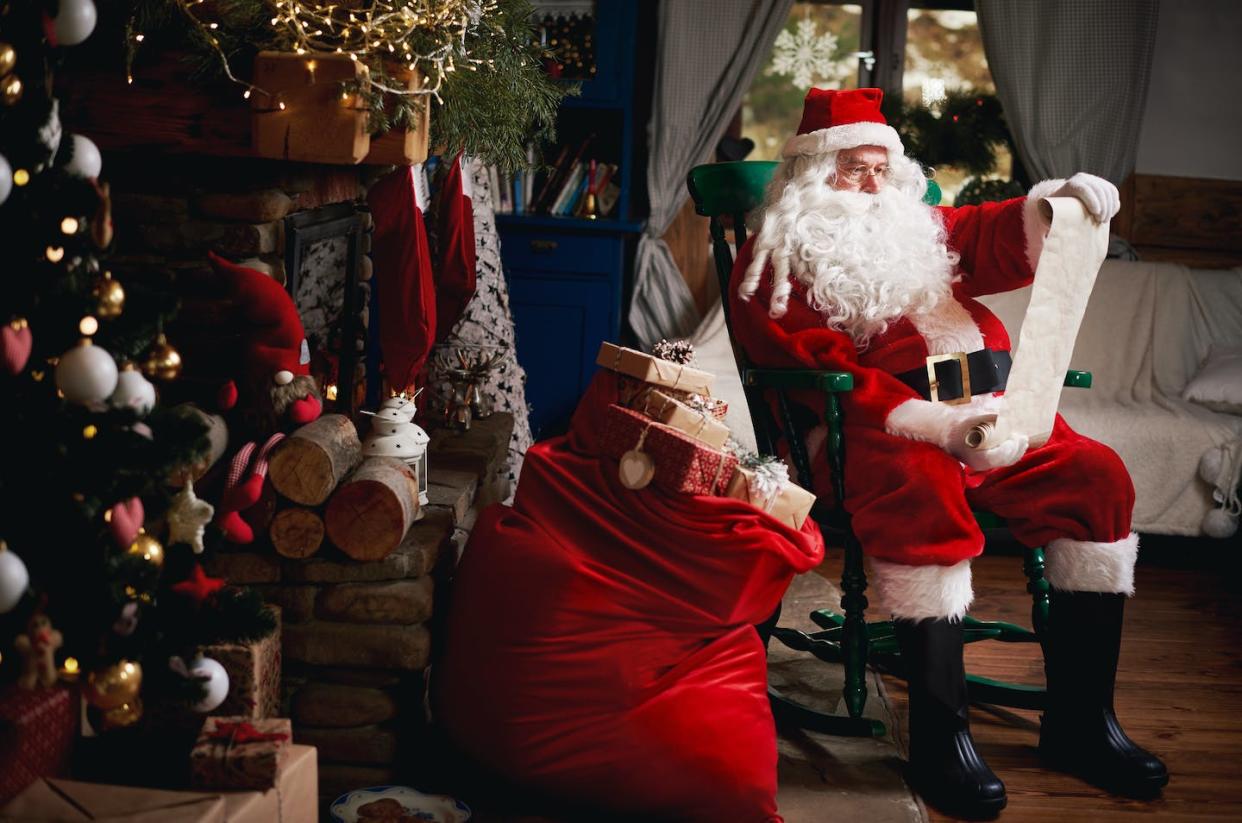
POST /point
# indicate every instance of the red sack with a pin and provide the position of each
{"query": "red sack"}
(600, 643)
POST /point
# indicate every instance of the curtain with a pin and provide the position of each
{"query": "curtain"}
(707, 55)
(1072, 77)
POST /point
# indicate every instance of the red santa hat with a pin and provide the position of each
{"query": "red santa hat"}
(275, 351)
(834, 120)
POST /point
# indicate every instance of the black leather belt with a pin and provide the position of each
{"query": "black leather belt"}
(941, 379)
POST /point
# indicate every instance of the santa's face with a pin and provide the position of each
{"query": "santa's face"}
(853, 230)
(862, 169)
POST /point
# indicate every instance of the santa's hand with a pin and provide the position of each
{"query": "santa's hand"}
(1100, 197)
(1005, 453)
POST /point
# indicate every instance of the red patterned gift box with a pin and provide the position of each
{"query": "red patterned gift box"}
(682, 463)
(37, 732)
(239, 753)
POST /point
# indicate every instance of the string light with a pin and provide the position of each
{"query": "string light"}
(367, 35)
(88, 325)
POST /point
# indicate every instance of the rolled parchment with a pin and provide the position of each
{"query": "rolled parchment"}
(1073, 251)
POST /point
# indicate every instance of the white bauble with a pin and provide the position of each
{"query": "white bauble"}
(215, 680)
(133, 391)
(6, 179)
(86, 374)
(13, 579)
(84, 158)
(74, 22)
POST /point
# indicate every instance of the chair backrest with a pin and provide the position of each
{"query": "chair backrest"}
(731, 190)
(728, 190)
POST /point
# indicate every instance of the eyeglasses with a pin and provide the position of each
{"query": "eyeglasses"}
(855, 174)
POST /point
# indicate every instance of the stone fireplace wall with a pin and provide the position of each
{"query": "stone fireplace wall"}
(356, 637)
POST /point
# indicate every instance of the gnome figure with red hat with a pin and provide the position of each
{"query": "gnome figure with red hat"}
(850, 270)
(276, 367)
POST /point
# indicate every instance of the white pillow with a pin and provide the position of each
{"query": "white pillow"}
(1218, 385)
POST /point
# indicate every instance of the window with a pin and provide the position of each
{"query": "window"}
(818, 47)
(944, 54)
(845, 45)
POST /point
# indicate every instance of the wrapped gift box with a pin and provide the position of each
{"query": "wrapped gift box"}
(294, 799)
(37, 732)
(649, 369)
(672, 412)
(790, 505)
(682, 464)
(239, 753)
(254, 674)
(67, 800)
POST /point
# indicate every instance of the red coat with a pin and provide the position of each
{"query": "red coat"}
(992, 242)
(911, 501)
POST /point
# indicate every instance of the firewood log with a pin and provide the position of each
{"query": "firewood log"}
(309, 463)
(374, 507)
(297, 532)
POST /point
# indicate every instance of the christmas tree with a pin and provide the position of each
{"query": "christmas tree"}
(100, 574)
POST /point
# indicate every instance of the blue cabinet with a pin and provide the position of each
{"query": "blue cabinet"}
(565, 295)
(566, 276)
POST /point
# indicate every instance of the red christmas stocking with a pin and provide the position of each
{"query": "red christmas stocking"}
(455, 283)
(403, 275)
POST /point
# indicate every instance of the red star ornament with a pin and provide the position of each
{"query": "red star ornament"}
(198, 587)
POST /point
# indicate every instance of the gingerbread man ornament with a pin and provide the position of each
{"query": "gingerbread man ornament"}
(38, 649)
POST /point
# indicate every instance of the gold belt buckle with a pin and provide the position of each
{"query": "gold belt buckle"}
(933, 385)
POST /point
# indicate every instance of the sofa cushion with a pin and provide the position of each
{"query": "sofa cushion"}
(1218, 385)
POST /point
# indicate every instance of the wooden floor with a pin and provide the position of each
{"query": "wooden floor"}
(1179, 689)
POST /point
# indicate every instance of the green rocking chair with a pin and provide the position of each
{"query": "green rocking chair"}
(729, 191)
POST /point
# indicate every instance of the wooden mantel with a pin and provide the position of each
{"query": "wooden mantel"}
(164, 110)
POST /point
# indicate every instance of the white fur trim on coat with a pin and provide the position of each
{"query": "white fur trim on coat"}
(1034, 224)
(851, 136)
(1087, 566)
(923, 592)
(918, 419)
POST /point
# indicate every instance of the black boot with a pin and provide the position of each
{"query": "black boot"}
(1079, 732)
(944, 767)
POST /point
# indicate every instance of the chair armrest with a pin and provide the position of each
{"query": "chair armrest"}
(815, 379)
(1078, 379)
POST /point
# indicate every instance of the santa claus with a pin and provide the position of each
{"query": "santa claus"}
(849, 270)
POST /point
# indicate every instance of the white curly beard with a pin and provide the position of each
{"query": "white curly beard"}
(865, 259)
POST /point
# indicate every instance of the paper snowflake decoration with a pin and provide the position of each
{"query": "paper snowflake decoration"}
(805, 55)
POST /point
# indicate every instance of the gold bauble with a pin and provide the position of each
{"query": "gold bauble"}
(113, 686)
(148, 548)
(126, 714)
(8, 58)
(11, 89)
(109, 296)
(163, 361)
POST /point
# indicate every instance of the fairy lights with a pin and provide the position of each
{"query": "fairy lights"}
(427, 34)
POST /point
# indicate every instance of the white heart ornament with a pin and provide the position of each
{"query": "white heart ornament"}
(636, 470)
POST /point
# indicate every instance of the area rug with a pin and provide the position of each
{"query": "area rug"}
(824, 777)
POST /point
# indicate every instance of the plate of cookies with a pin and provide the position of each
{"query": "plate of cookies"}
(397, 804)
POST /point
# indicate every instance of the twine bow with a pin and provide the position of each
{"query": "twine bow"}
(242, 732)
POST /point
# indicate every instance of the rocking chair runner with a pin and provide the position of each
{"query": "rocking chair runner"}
(731, 190)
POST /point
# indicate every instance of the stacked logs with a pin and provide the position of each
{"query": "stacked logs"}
(326, 489)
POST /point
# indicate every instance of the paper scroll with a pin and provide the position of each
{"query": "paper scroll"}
(1073, 251)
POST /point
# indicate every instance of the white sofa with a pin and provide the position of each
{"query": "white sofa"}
(1147, 329)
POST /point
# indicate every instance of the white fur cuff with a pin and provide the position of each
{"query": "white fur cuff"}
(1034, 224)
(1087, 566)
(848, 136)
(923, 592)
(935, 423)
